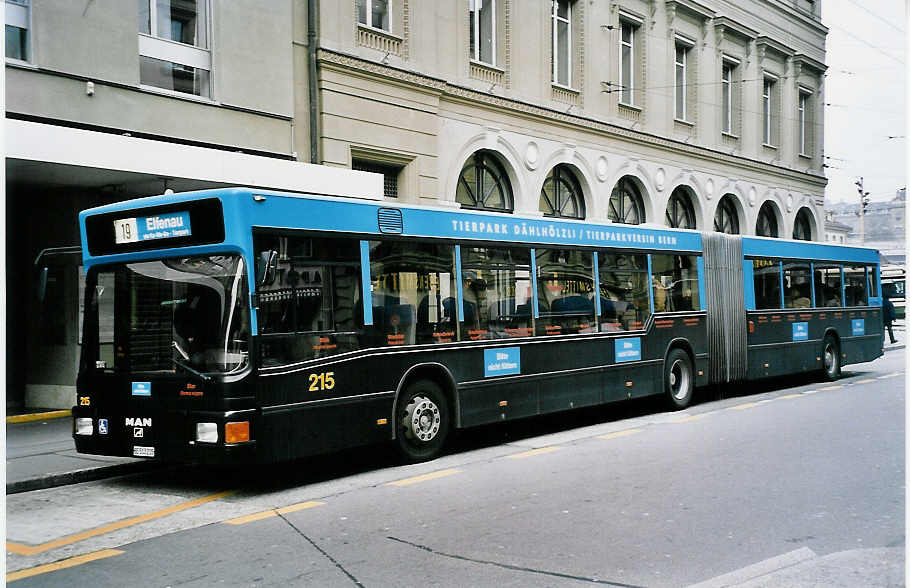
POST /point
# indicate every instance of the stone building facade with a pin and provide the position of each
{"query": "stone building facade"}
(695, 113)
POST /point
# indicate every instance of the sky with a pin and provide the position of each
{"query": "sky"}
(865, 96)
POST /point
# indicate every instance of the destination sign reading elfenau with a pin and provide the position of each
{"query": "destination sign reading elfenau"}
(144, 228)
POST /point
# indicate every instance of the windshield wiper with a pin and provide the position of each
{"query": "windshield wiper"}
(204, 377)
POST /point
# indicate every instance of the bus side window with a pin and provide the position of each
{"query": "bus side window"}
(624, 303)
(497, 295)
(565, 286)
(414, 294)
(310, 310)
(797, 286)
(871, 283)
(675, 282)
(855, 286)
(827, 285)
(766, 274)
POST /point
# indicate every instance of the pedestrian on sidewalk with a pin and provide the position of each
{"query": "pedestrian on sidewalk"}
(888, 316)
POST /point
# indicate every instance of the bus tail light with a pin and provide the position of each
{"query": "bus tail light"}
(207, 432)
(84, 426)
(238, 432)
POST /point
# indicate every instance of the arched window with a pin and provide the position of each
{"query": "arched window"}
(561, 194)
(680, 214)
(626, 205)
(726, 219)
(802, 227)
(766, 226)
(483, 184)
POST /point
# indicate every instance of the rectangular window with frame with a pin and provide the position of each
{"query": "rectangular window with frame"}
(413, 293)
(482, 24)
(804, 119)
(770, 102)
(627, 61)
(174, 49)
(565, 288)
(797, 285)
(726, 82)
(675, 282)
(312, 306)
(496, 293)
(827, 285)
(680, 89)
(855, 292)
(624, 292)
(18, 14)
(562, 42)
(375, 14)
(766, 281)
(390, 174)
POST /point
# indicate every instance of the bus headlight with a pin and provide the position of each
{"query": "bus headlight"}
(207, 432)
(84, 426)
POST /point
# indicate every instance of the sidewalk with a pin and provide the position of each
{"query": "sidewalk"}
(900, 331)
(40, 453)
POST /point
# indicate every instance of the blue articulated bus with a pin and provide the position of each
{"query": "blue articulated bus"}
(241, 325)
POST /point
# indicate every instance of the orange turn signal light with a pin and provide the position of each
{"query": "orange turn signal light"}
(237, 432)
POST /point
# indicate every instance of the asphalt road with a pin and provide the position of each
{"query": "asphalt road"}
(795, 477)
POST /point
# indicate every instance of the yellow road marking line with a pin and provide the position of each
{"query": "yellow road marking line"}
(534, 452)
(888, 376)
(38, 416)
(688, 419)
(274, 512)
(33, 549)
(61, 565)
(788, 396)
(617, 434)
(866, 381)
(424, 477)
(835, 387)
(744, 406)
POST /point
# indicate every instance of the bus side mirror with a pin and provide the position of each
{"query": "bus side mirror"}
(266, 267)
(42, 284)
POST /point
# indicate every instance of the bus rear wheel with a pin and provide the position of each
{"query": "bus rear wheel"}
(422, 421)
(678, 379)
(831, 357)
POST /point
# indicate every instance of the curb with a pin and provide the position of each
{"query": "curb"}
(894, 347)
(84, 475)
(38, 416)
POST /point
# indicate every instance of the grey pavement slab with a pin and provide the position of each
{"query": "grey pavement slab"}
(41, 454)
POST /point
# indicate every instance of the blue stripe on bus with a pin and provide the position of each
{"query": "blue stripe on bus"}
(812, 282)
(459, 283)
(749, 284)
(596, 285)
(366, 283)
(700, 264)
(535, 310)
(780, 248)
(650, 287)
(780, 277)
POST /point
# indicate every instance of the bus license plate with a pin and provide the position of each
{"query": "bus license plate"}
(143, 451)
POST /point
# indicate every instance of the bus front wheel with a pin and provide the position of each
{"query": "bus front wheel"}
(678, 378)
(422, 421)
(831, 355)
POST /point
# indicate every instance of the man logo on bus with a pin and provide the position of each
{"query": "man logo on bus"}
(138, 422)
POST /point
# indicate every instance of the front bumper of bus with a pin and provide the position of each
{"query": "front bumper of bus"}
(206, 437)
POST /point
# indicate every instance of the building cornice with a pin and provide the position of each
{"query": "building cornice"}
(805, 19)
(806, 61)
(764, 42)
(725, 23)
(454, 93)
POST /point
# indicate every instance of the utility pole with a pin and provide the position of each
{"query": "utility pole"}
(863, 202)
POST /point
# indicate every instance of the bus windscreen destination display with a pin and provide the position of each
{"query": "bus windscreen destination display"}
(146, 228)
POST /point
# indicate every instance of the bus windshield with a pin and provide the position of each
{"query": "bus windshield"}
(184, 314)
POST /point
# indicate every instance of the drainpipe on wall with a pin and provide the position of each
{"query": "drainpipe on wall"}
(312, 46)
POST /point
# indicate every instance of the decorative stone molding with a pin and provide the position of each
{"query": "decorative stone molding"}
(709, 189)
(659, 178)
(532, 155)
(487, 73)
(752, 196)
(601, 169)
(355, 65)
(379, 40)
(565, 95)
